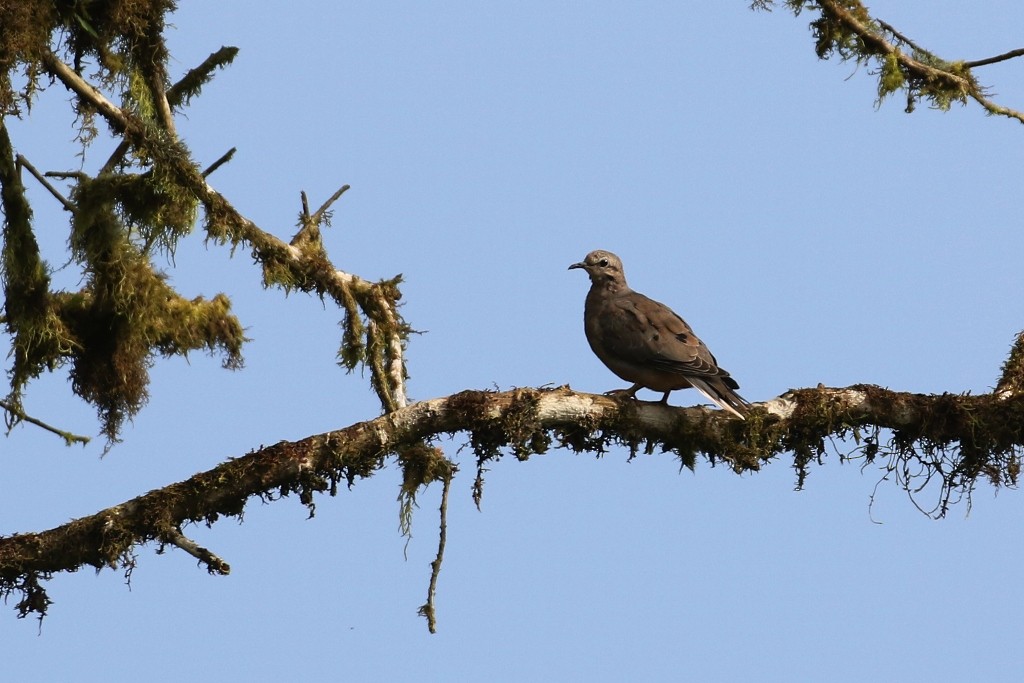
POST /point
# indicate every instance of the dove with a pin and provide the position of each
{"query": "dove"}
(646, 342)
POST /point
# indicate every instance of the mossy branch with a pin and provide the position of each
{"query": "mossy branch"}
(956, 439)
(846, 28)
(284, 265)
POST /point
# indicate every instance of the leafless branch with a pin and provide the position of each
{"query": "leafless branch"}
(428, 610)
(319, 215)
(23, 162)
(225, 158)
(998, 58)
(214, 564)
(20, 415)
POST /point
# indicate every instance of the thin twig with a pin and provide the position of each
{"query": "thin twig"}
(23, 162)
(902, 38)
(22, 416)
(326, 205)
(225, 158)
(65, 175)
(998, 58)
(427, 610)
(115, 158)
(970, 65)
(305, 208)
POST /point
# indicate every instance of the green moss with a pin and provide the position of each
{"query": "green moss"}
(890, 77)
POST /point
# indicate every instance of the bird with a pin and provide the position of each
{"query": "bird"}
(646, 342)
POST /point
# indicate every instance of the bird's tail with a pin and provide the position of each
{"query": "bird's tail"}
(716, 390)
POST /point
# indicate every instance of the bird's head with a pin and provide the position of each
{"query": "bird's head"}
(603, 267)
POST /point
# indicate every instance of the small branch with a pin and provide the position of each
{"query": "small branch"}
(71, 80)
(163, 107)
(306, 219)
(177, 93)
(318, 216)
(225, 158)
(24, 163)
(878, 45)
(65, 175)
(902, 38)
(428, 610)
(214, 564)
(21, 416)
(115, 158)
(998, 58)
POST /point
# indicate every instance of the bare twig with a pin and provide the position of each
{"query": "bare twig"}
(902, 38)
(998, 58)
(214, 564)
(21, 416)
(225, 158)
(428, 609)
(318, 216)
(23, 162)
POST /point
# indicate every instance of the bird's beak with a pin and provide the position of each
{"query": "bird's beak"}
(577, 265)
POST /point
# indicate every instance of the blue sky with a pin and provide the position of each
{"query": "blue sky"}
(806, 235)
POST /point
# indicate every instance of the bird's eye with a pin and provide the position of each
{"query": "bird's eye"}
(603, 263)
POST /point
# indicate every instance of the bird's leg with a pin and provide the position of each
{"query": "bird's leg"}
(628, 393)
(664, 399)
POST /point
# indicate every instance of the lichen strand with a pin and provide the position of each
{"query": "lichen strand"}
(422, 464)
(126, 312)
(516, 426)
(156, 211)
(814, 419)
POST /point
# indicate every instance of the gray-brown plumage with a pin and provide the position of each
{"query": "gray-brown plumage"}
(646, 342)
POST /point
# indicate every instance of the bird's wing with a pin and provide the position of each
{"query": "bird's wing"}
(644, 331)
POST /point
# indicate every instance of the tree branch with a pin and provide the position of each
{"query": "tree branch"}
(214, 564)
(428, 609)
(288, 266)
(998, 58)
(24, 163)
(846, 27)
(20, 415)
(955, 439)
